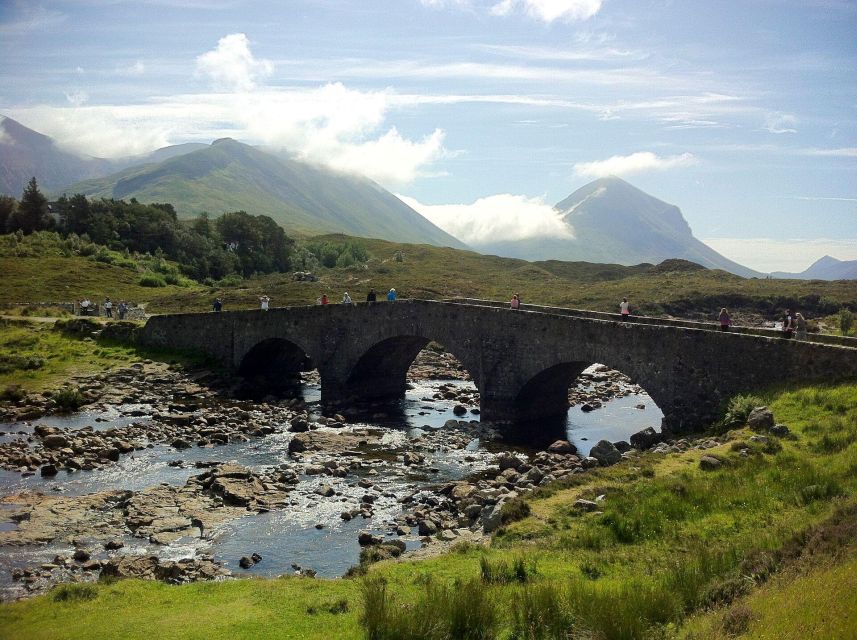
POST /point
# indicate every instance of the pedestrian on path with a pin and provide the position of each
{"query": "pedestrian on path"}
(264, 302)
(725, 320)
(625, 308)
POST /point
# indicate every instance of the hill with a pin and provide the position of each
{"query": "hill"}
(614, 222)
(231, 176)
(826, 268)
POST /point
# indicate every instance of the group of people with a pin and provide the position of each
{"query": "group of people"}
(794, 325)
(265, 301)
(88, 308)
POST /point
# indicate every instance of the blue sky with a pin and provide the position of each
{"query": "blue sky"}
(742, 113)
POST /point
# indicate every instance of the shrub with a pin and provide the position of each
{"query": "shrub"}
(738, 409)
(462, 611)
(846, 321)
(69, 399)
(73, 592)
(152, 280)
(541, 612)
(501, 572)
(737, 620)
(513, 510)
(9, 363)
(13, 393)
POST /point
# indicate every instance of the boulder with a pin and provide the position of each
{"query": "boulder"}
(325, 491)
(709, 463)
(298, 444)
(427, 527)
(459, 410)
(780, 430)
(622, 446)
(585, 505)
(412, 458)
(366, 539)
(645, 439)
(180, 443)
(606, 453)
(55, 441)
(49, 470)
(563, 447)
(760, 419)
(298, 425)
(492, 517)
(508, 460)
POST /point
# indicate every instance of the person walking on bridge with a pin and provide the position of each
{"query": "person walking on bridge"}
(392, 295)
(515, 304)
(324, 299)
(625, 309)
(371, 296)
(218, 305)
(725, 320)
(346, 299)
(264, 303)
(800, 327)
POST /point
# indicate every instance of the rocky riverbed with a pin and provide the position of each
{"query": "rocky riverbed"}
(165, 475)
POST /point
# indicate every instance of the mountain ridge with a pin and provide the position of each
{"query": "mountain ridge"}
(825, 268)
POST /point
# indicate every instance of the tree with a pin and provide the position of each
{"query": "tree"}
(32, 214)
(8, 204)
(846, 320)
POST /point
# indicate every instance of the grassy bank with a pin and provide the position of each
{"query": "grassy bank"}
(674, 551)
(40, 272)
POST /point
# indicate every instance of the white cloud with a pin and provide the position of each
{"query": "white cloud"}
(846, 152)
(639, 162)
(794, 255)
(495, 218)
(330, 125)
(550, 10)
(77, 98)
(780, 123)
(232, 66)
(136, 69)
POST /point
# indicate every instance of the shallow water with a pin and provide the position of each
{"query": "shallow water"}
(289, 536)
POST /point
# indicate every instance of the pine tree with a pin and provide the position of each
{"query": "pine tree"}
(32, 214)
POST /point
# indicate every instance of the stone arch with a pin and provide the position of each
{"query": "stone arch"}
(380, 373)
(278, 361)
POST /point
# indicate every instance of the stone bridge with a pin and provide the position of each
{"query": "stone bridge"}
(522, 362)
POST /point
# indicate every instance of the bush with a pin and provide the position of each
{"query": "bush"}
(69, 399)
(152, 280)
(463, 611)
(541, 612)
(73, 592)
(13, 393)
(10, 363)
(738, 409)
(737, 620)
(501, 572)
(846, 321)
(515, 509)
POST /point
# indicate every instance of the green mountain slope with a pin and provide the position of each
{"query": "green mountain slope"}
(614, 222)
(230, 176)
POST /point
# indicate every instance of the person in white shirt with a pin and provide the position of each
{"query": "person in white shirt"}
(264, 301)
(625, 308)
(346, 299)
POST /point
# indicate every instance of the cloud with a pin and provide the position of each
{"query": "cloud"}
(495, 218)
(330, 125)
(136, 69)
(77, 98)
(550, 10)
(231, 65)
(846, 152)
(639, 162)
(793, 255)
(780, 123)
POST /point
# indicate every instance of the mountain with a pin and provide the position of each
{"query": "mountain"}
(826, 268)
(229, 176)
(25, 153)
(614, 222)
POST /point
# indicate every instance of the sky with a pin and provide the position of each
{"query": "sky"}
(481, 114)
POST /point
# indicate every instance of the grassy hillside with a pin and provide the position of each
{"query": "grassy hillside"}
(423, 271)
(231, 176)
(673, 551)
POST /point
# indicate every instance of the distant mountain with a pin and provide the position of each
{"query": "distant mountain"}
(228, 176)
(826, 268)
(25, 153)
(614, 222)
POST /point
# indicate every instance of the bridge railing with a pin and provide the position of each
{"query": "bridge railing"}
(689, 324)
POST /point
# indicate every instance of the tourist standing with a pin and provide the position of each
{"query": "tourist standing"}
(346, 299)
(800, 327)
(788, 324)
(392, 295)
(264, 301)
(218, 305)
(324, 299)
(108, 308)
(515, 303)
(122, 309)
(725, 320)
(371, 296)
(625, 308)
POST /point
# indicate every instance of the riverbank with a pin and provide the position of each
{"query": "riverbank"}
(653, 540)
